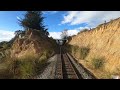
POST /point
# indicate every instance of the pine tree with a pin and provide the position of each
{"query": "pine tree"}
(34, 20)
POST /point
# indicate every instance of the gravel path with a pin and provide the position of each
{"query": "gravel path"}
(49, 71)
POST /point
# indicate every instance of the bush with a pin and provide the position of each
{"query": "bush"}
(98, 63)
(28, 67)
(40, 65)
(84, 30)
(75, 49)
(21, 69)
(46, 54)
(68, 48)
(84, 52)
(4, 45)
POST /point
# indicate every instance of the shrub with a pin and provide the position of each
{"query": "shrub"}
(74, 49)
(21, 69)
(39, 66)
(28, 67)
(68, 48)
(83, 52)
(84, 30)
(98, 63)
(5, 45)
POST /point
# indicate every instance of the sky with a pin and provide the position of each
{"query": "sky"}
(56, 21)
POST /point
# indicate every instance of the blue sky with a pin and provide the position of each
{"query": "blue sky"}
(56, 21)
(53, 20)
(8, 20)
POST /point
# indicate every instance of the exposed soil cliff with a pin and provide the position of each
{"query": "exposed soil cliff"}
(32, 43)
(26, 55)
(103, 41)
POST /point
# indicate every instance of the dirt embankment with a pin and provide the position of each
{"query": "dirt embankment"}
(33, 43)
(103, 41)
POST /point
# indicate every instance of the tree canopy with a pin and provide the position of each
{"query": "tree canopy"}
(34, 20)
(64, 34)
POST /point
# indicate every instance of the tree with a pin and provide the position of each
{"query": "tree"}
(64, 34)
(34, 20)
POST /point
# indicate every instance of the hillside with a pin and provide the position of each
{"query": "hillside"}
(26, 56)
(103, 42)
(33, 43)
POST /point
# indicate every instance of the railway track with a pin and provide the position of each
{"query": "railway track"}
(68, 69)
(64, 67)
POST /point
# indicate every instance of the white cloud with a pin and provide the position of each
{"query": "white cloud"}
(57, 35)
(76, 30)
(6, 35)
(70, 17)
(92, 18)
(54, 12)
(72, 32)
(49, 12)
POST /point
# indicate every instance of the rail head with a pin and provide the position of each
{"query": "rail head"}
(86, 74)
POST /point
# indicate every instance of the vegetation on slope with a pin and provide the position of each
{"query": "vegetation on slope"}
(80, 52)
(29, 50)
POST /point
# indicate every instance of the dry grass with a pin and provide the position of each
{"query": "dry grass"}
(28, 56)
(103, 41)
(24, 67)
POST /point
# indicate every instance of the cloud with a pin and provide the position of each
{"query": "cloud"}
(49, 12)
(70, 17)
(6, 35)
(76, 30)
(18, 18)
(53, 12)
(57, 35)
(72, 32)
(91, 18)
